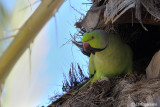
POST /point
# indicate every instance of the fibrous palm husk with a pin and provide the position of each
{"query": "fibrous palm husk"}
(118, 92)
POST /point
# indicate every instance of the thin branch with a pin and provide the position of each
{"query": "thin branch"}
(87, 3)
(75, 9)
(30, 59)
(5, 38)
(30, 4)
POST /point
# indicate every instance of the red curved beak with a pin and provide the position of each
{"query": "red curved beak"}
(85, 46)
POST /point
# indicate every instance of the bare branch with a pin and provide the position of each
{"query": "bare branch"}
(26, 35)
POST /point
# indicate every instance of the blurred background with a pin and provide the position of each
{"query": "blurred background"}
(38, 75)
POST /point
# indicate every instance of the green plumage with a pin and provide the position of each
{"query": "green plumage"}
(111, 57)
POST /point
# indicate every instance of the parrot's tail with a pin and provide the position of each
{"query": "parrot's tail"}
(85, 85)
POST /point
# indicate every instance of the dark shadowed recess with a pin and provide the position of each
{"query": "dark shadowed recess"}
(144, 44)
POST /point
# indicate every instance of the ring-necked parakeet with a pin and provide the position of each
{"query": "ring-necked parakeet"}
(109, 55)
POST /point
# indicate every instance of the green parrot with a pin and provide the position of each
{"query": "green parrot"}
(109, 57)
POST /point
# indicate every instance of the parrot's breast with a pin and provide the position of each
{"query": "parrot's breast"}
(114, 60)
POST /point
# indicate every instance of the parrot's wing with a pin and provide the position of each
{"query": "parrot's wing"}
(91, 65)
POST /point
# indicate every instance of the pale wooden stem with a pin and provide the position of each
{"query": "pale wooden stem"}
(26, 35)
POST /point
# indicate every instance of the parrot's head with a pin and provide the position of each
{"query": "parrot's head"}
(95, 41)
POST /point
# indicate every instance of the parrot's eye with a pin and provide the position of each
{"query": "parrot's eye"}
(92, 37)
